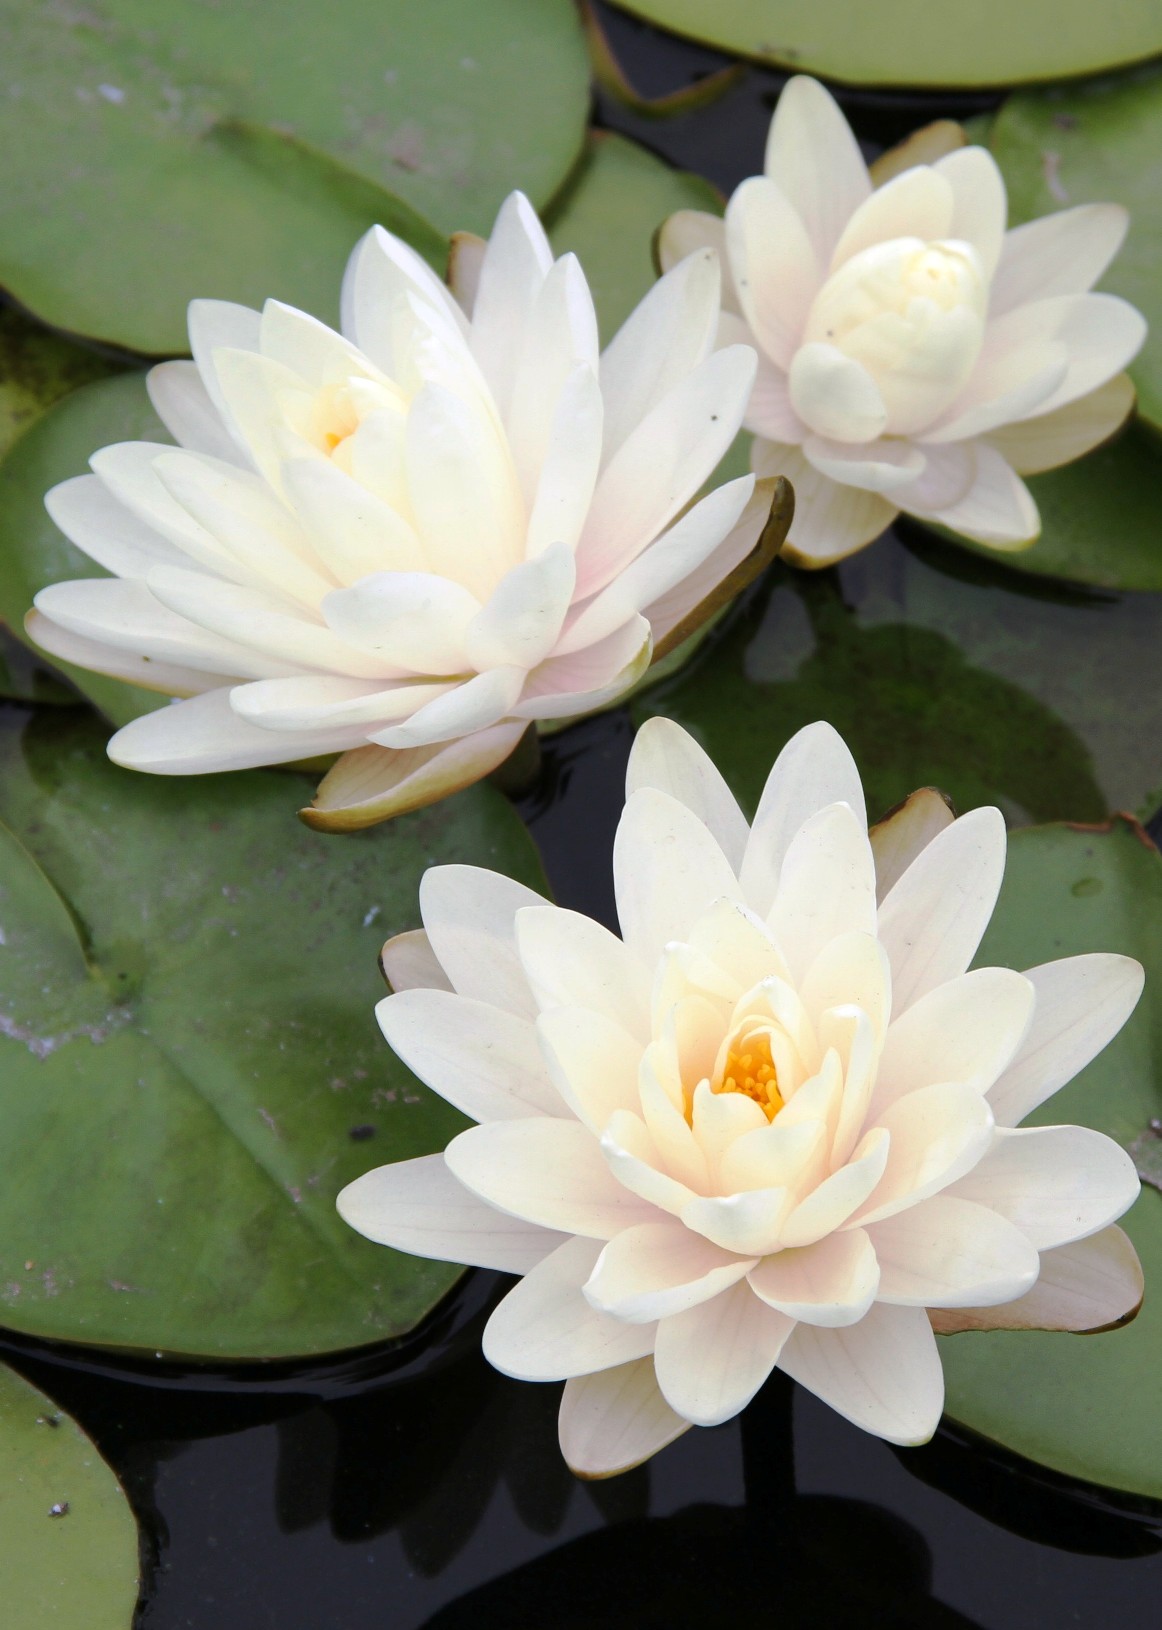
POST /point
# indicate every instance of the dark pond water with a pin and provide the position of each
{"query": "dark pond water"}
(413, 1487)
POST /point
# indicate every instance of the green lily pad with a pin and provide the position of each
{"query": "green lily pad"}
(908, 42)
(26, 678)
(1097, 143)
(68, 1541)
(939, 669)
(1090, 1406)
(236, 152)
(191, 1064)
(1100, 522)
(36, 368)
(615, 201)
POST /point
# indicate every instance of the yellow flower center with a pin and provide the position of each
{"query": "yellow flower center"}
(749, 1069)
(336, 416)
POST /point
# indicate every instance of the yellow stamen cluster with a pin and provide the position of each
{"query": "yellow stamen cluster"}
(750, 1070)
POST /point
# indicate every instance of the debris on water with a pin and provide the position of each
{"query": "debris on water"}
(360, 1134)
(1051, 168)
(60, 1509)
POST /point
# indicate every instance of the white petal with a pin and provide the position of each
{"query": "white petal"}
(778, 1155)
(326, 701)
(1101, 333)
(373, 783)
(559, 337)
(832, 1282)
(965, 1030)
(168, 677)
(547, 1171)
(634, 1159)
(667, 758)
(707, 578)
(998, 508)
(301, 342)
(883, 1374)
(216, 325)
(512, 272)
(827, 886)
(418, 1206)
(568, 467)
(1081, 1004)
(738, 943)
(1051, 439)
(690, 231)
(1063, 253)
(126, 470)
(545, 1330)
(1093, 1284)
(381, 270)
(815, 158)
(936, 1134)
(565, 686)
(592, 1062)
(748, 1224)
(480, 1059)
(878, 466)
(830, 1205)
(919, 203)
(834, 394)
(89, 515)
(981, 207)
(204, 735)
(667, 871)
(776, 272)
(900, 836)
(461, 711)
(409, 963)
(813, 770)
(831, 520)
(520, 624)
(712, 1359)
(769, 412)
(354, 532)
(409, 620)
(851, 969)
(612, 1421)
(666, 336)
(1055, 1183)
(948, 1252)
(183, 404)
(572, 961)
(658, 1269)
(470, 916)
(933, 918)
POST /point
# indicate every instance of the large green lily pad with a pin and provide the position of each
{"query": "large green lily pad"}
(614, 203)
(1090, 1406)
(1097, 143)
(939, 669)
(238, 151)
(36, 368)
(191, 1064)
(912, 42)
(68, 1541)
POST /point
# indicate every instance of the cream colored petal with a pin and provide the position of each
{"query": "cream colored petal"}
(408, 962)
(776, 271)
(1055, 1183)
(980, 206)
(559, 336)
(322, 701)
(521, 622)
(215, 325)
(612, 1421)
(712, 1359)
(183, 404)
(998, 508)
(1063, 253)
(738, 943)
(1051, 439)
(354, 533)
(418, 1206)
(687, 232)
(950, 1252)
(592, 1062)
(565, 686)
(830, 1283)
(777, 1156)
(850, 1032)
(126, 470)
(748, 1224)
(1101, 334)
(515, 265)
(301, 342)
(851, 969)
(635, 1161)
(568, 467)
(167, 677)
(89, 515)
(835, 395)
(465, 709)
(470, 916)
(667, 870)
(815, 158)
(917, 204)
(413, 621)
(882, 1374)
(571, 961)
(831, 521)
(667, 758)
(203, 735)
(878, 466)
(373, 783)
(830, 1205)
(826, 886)
(936, 1134)
(904, 831)
(1093, 1284)
(658, 1269)
(665, 1119)
(545, 1330)
(382, 270)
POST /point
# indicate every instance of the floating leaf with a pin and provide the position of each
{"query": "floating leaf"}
(617, 198)
(153, 155)
(612, 78)
(191, 1064)
(1090, 1406)
(1097, 143)
(68, 1541)
(906, 42)
(36, 368)
(940, 670)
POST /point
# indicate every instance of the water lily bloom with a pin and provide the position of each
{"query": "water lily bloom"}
(775, 1124)
(915, 356)
(406, 541)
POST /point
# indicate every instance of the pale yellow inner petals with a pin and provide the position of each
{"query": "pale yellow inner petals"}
(338, 410)
(749, 1069)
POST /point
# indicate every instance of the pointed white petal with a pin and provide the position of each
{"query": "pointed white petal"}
(183, 404)
(204, 735)
(667, 871)
(832, 1282)
(936, 1135)
(713, 1358)
(815, 158)
(1063, 253)
(658, 1269)
(512, 272)
(980, 206)
(1093, 1284)
(883, 1374)
(1055, 1183)
(949, 1252)
(776, 270)
(667, 758)
(89, 515)
(1051, 439)
(373, 783)
(520, 624)
(470, 916)
(827, 886)
(572, 961)
(592, 1062)
(612, 1421)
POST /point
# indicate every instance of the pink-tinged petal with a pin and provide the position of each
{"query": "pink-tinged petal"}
(612, 1421)
(572, 961)
(634, 1160)
(482, 1060)
(691, 232)
(1055, 1183)
(815, 158)
(813, 770)
(183, 404)
(512, 273)
(919, 203)
(374, 783)
(667, 871)
(934, 917)
(878, 466)
(545, 1330)
(203, 735)
(167, 677)
(778, 1156)
(850, 1032)
(1014, 375)
(547, 1171)
(568, 466)
(980, 207)
(769, 412)
(409, 963)
(658, 1269)
(830, 1283)
(592, 1061)
(998, 509)
(967, 1030)
(667, 758)
(708, 582)
(713, 1358)
(835, 395)
(900, 836)
(827, 886)
(949, 1252)
(1101, 333)
(1063, 253)
(463, 710)
(520, 624)
(776, 271)
(411, 621)
(830, 1205)
(852, 970)
(882, 1374)
(1051, 439)
(1093, 1284)
(831, 520)
(936, 1134)
(470, 915)
(1081, 1004)
(563, 687)
(418, 1206)
(748, 1224)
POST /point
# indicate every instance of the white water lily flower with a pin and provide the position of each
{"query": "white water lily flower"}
(915, 356)
(776, 1124)
(407, 541)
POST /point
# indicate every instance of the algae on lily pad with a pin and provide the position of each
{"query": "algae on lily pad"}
(1089, 1406)
(68, 1541)
(154, 154)
(192, 1068)
(913, 42)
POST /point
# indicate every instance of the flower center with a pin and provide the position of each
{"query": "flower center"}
(749, 1069)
